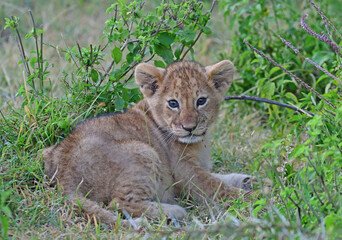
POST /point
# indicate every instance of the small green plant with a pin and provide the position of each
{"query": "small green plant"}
(135, 35)
(34, 66)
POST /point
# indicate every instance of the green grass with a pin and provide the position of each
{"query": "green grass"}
(300, 155)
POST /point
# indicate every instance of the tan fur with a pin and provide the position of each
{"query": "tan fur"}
(140, 160)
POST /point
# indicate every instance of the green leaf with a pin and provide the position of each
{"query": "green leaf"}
(117, 55)
(119, 104)
(130, 47)
(4, 196)
(333, 224)
(5, 225)
(291, 96)
(274, 69)
(40, 31)
(33, 60)
(268, 90)
(166, 38)
(255, 61)
(260, 84)
(111, 8)
(178, 51)
(322, 56)
(94, 75)
(189, 35)
(124, 34)
(129, 58)
(159, 63)
(298, 150)
(275, 110)
(28, 35)
(206, 30)
(62, 124)
(165, 53)
(6, 210)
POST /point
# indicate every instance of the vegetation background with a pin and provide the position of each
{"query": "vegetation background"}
(69, 81)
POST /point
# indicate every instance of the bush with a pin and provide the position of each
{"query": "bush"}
(305, 160)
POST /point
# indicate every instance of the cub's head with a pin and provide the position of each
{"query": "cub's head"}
(185, 97)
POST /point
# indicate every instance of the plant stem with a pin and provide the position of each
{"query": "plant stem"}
(40, 69)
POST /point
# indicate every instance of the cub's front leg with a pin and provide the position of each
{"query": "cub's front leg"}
(201, 183)
(243, 181)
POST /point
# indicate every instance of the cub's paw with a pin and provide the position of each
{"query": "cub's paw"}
(247, 183)
(237, 180)
(174, 211)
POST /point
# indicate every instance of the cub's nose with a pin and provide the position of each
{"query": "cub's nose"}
(189, 128)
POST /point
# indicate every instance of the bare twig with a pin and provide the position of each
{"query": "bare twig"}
(23, 58)
(22, 55)
(22, 51)
(258, 99)
(80, 51)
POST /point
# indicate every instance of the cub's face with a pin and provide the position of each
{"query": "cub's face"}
(185, 97)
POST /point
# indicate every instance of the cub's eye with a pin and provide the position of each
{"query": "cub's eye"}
(173, 104)
(201, 101)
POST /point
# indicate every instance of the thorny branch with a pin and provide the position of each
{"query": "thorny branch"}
(325, 20)
(321, 37)
(291, 74)
(309, 60)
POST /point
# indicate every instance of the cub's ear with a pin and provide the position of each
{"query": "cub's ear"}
(221, 74)
(149, 78)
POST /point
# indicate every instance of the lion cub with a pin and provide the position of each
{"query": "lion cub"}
(141, 159)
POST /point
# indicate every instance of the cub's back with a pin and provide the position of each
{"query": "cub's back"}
(133, 125)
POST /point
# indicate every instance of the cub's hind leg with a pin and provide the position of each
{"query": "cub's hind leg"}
(144, 185)
(92, 208)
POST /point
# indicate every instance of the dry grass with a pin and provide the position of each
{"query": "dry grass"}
(240, 132)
